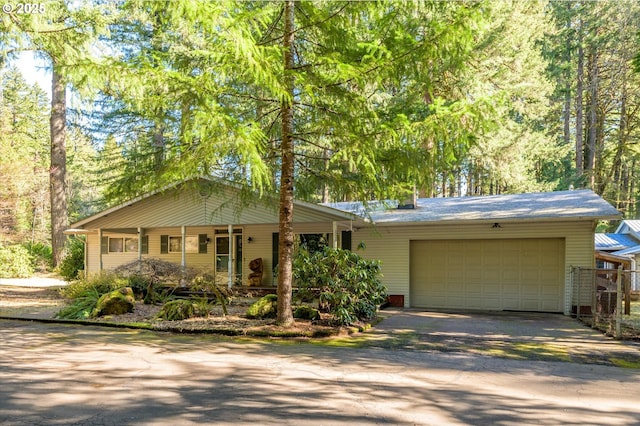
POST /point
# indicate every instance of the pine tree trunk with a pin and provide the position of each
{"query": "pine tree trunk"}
(567, 95)
(286, 240)
(593, 118)
(579, 115)
(58, 170)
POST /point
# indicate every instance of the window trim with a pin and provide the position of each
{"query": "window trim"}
(123, 245)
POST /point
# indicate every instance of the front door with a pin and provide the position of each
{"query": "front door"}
(223, 251)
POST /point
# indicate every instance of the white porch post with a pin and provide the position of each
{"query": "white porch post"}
(335, 234)
(183, 261)
(139, 243)
(100, 248)
(230, 264)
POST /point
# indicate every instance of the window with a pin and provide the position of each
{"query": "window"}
(312, 242)
(192, 244)
(123, 245)
(116, 245)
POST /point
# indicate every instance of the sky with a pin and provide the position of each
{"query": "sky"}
(34, 71)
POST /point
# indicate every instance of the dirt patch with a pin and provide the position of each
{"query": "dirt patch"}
(30, 301)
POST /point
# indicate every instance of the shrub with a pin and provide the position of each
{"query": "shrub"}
(15, 262)
(86, 293)
(42, 256)
(139, 284)
(155, 272)
(265, 307)
(116, 302)
(182, 309)
(306, 312)
(103, 283)
(82, 306)
(73, 261)
(347, 285)
(207, 284)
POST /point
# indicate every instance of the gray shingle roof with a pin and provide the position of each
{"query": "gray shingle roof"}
(578, 204)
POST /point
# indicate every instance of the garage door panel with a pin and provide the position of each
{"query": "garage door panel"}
(508, 274)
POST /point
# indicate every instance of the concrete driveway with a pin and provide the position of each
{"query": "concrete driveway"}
(517, 335)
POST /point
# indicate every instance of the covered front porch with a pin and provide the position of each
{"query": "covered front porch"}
(208, 225)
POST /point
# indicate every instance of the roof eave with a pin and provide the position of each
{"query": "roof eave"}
(496, 220)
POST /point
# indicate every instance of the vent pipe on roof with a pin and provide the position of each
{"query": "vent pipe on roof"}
(411, 202)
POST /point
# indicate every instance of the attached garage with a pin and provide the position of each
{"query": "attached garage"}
(499, 252)
(502, 274)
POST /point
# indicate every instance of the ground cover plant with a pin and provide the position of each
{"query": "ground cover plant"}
(190, 300)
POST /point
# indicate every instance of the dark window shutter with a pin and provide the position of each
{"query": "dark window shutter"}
(202, 243)
(145, 245)
(104, 245)
(275, 241)
(164, 244)
(346, 240)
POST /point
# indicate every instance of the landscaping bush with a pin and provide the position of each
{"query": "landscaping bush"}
(15, 262)
(73, 261)
(348, 286)
(116, 302)
(306, 312)
(139, 284)
(181, 309)
(102, 283)
(86, 293)
(82, 306)
(155, 273)
(265, 307)
(207, 284)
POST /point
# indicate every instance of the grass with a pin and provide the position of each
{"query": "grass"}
(631, 323)
(625, 363)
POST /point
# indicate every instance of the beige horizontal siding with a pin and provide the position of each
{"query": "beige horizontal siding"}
(391, 245)
(260, 246)
(177, 208)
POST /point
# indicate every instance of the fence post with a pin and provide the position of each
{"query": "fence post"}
(627, 295)
(619, 303)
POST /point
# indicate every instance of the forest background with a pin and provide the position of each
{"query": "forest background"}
(349, 100)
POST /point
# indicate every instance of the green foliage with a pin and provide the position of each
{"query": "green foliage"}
(348, 285)
(85, 293)
(101, 284)
(265, 307)
(116, 302)
(73, 262)
(82, 305)
(306, 312)
(207, 284)
(181, 309)
(15, 262)
(42, 256)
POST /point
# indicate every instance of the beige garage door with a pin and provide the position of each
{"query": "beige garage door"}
(508, 274)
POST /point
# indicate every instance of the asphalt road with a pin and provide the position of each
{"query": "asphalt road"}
(54, 374)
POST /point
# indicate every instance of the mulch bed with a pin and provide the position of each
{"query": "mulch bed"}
(24, 301)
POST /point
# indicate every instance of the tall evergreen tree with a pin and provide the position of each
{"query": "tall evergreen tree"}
(60, 34)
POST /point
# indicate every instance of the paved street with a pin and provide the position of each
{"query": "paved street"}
(55, 374)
